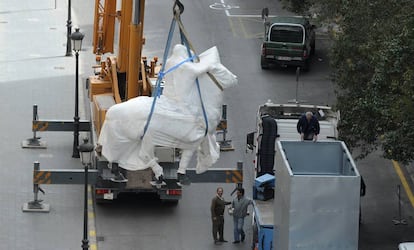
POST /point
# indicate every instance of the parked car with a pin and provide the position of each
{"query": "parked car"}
(288, 41)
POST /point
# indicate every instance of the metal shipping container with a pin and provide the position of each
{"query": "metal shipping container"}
(317, 196)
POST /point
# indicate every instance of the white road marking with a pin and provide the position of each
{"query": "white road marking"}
(226, 7)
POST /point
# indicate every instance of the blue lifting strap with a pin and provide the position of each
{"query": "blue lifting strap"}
(156, 94)
(185, 41)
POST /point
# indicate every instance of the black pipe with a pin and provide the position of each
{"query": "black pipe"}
(75, 153)
(69, 31)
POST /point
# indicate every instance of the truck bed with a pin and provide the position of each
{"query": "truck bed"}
(263, 212)
(287, 129)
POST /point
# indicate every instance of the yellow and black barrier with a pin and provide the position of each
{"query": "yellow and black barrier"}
(217, 175)
(55, 176)
(51, 125)
(64, 176)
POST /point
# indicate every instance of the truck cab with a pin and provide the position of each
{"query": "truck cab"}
(288, 41)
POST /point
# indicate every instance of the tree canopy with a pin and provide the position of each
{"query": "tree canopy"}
(373, 71)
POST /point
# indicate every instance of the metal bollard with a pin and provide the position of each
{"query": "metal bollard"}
(36, 205)
(239, 184)
(400, 220)
(225, 145)
(34, 142)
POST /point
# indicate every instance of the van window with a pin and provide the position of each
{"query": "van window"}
(286, 34)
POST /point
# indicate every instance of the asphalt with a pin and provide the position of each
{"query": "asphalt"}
(35, 70)
(387, 213)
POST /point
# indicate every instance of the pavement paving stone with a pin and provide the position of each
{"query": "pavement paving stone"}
(36, 71)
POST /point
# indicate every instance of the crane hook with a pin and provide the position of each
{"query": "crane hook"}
(178, 7)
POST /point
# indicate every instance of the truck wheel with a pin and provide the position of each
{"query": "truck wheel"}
(312, 51)
(171, 203)
(263, 63)
(102, 202)
(306, 65)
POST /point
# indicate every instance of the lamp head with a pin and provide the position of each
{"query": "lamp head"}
(76, 38)
(85, 150)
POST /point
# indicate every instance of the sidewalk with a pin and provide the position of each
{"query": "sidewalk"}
(35, 71)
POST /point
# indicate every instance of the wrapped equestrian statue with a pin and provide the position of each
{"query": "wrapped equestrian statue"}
(185, 116)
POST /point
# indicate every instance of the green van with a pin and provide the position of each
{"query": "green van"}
(288, 41)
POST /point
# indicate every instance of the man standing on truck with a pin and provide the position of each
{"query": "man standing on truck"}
(239, 205)
(308, 127)
(218, 205)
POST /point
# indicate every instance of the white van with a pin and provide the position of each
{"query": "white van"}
(406, 246)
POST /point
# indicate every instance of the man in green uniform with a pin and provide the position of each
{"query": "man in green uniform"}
(217, 215)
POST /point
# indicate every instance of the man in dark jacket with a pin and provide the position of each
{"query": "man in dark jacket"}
(218, 205)
(308, 127)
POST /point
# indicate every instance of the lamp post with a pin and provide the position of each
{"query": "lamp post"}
(77, 45)
(86, 158)
(69, 26)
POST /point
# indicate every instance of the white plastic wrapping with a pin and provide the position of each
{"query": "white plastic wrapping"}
(177, 120)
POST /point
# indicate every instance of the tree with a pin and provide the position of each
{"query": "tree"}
(373, 61)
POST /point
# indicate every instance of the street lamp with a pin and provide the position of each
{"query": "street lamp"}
(77, 45)
(86, 158)
(68, 35)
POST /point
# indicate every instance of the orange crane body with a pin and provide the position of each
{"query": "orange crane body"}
(126, 75)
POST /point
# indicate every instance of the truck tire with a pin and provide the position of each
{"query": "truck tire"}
(312, 50)
(171, 203)
(267, 146)
(263, 63)
(102, 201)
(306, 65)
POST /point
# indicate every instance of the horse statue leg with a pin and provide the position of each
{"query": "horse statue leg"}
(185, 159)
(119, 177)
(146, 154)
(158, 171)
(208, 153)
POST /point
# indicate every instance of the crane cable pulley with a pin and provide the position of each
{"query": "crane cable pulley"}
(178, 9)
